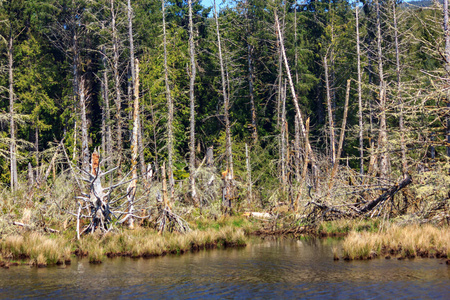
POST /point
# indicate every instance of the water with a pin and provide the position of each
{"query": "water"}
(264, 270)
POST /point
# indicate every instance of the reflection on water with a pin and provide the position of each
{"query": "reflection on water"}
(266, 269)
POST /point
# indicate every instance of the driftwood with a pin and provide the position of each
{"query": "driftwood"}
(389, 194)
(322, 210)
(30, 227)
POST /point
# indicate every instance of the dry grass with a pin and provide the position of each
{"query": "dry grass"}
(148, 243)
(35, 248)
(404, 242)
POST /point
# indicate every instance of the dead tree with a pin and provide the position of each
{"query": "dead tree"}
(84, 127)
(167, 219)
(447, 66)
(169, 106)
(382, 137)
(13, 158)
(330, 114)
(96, 202)
(192, 108)
(360, 117)
(294, 94)
(229, 153)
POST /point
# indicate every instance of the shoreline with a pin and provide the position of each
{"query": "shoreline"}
(362, 239)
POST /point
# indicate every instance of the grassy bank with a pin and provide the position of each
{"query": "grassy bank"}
(343, 227)
(398, 242)
(42, 250)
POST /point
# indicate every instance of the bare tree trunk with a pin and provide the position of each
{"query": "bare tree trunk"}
(75, 155)
(118, 99)
(399, 91)
(84, 128)
(225, 99)
(295, 44)
(382, 139)
(155, 140)
(251, 76)
(134, 147)
(251, 93)
(249, 175)
(360, 115)
(294, 95)
(341, 137)
(134, 75)
(13, 157)
(170, 108)
(106, 117)
(447, 66)
(36, 147)
(192, 108)
(330, 115)
(283, 138)
(297, 148)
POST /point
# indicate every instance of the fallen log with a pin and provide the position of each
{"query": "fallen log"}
(386, 195)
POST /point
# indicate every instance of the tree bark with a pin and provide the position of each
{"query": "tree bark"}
(192, 108)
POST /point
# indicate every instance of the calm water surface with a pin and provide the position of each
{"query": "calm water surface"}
(264, 270)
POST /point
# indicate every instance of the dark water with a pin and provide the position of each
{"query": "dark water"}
(265, 270)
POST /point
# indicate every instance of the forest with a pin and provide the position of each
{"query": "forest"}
(158, 113)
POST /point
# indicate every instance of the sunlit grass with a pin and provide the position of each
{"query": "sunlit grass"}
(404, 242)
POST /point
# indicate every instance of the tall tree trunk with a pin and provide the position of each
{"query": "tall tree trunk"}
(447, 66)
(360, 108)
(399, 90)
(249, 175)
(36, 147)
(84, 128)
(330, 114)
(297, 148)
(225, 98)
(106, 116)
(251, 93)
(382, 138)
(155, 139)
(134, 146)
(250, 75)
(170, 107)
(192, 108)
(283, 138)
(118, 99)
(134, 76)
(341, 137)
(294, 95)
(13, 157)
(295, 44)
